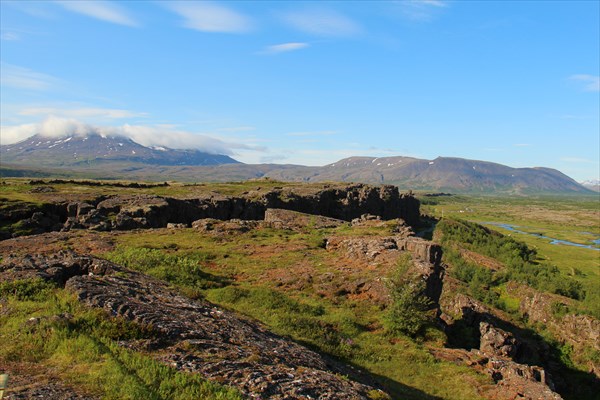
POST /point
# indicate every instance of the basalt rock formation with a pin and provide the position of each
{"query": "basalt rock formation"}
(149, 211)
(195, 335)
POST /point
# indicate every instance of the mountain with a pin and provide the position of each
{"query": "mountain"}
(94, 149)
(106, 157)
(442, 173)
(593, 184)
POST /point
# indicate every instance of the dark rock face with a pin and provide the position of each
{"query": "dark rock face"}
(501, 353)
(197, 336)
(496, 342)
(520, 381)
(350, 202)
(147, 211)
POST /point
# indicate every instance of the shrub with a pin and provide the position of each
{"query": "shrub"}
(407, 314)
(26, 289)
(183, 270)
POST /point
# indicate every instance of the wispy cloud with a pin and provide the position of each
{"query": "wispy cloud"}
(37, 9)
(314, 133)
(322, 22)
(147, 135)
(284, 47)
(237, 129)
(102, 10)
(210, 17)
(591, 83)
(25, 78)
(421, 10)
(9, 36)
(578, 160)
(86, 112)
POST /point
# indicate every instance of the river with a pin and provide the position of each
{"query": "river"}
(514, 228)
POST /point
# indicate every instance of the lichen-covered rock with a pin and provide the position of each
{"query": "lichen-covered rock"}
(496, 342)
(518, 381)
(195, 335)
(286, 219)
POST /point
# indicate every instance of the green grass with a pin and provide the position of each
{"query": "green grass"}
(351, 330)
(80, 345)
(559, 217)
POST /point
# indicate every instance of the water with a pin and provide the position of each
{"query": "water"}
(513, 228)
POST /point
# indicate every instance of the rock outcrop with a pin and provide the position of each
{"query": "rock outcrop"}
(196, 336)
(497, 342)
(286, 219)
(150, 211)
(426, 256)
(499, 352)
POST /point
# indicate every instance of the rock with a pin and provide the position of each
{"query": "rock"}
(421, 249)
(496, 342)
(426, 256)
(511, 380)
(176, 226)
(122, 212)
(520, 381)
(195, 335)
(43, 189)
(286, 219)
(205, 224)
(364, 248)
(84, 209)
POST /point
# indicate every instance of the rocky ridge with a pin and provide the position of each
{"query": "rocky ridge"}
(106, 213)
(195, 335)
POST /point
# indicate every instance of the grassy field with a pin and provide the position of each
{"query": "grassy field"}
(241, 273)
(48, 327)
(574, 219)
(267, 274)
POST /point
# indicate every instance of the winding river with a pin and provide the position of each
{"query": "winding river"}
(514, 228)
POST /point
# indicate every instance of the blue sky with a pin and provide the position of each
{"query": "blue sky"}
(513, 82)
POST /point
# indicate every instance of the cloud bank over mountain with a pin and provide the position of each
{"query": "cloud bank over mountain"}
(146, 135)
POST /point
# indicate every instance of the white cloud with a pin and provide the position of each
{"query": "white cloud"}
(578, 160)
(24, 78)
(86, 112)
(9, 36)
(210, 17)
(322, 22)
(590, 83)
(147, 135)
(285, 47)
(102, 10)
(14, 134)
(420, 10)
(315, 133)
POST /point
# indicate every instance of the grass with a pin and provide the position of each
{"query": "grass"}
(48, 326)
(575, 219)
(351, 330)
(235, 271)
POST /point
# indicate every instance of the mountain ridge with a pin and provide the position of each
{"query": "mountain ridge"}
(74, 150)
(115, 157)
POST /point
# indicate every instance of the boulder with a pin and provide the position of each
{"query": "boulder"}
(496, 342)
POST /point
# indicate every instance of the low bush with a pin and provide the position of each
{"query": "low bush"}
(407, 314)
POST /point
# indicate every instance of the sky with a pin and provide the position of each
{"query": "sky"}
(290, 82)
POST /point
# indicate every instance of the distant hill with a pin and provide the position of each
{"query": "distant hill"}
(107, 157)
(93, 149)
(442, 173)
(593, 184)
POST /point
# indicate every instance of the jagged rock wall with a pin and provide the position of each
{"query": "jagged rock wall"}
(426, 256)
(148, 211)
